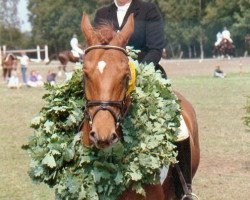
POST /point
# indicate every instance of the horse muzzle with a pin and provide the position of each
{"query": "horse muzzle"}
(102, 143)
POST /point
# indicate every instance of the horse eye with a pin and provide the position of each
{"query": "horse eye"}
(85, 74)
(126, 79)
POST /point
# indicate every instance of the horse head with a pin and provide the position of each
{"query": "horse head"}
(9, 59)
(106, 75)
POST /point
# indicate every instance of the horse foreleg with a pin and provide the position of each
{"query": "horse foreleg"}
(64, 68)
(153, 192)
(9, 72)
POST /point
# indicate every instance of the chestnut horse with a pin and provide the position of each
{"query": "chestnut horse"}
(9, 62)
(107, 73)
(65, 57)
(225, 48)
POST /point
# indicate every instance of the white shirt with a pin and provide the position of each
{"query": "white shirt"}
(24, 60)
(75, 49)
(226, 34)
(74, 42)
(121, 12)
(219, 36)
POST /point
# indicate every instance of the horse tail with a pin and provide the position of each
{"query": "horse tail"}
(52, 57)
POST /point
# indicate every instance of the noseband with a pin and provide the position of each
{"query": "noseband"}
(107, 105)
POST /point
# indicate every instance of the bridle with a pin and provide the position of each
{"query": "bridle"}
(106, 47)
(107, 105)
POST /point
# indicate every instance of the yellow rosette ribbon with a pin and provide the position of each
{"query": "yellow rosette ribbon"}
(131, 84)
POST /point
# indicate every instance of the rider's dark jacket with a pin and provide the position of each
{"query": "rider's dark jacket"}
(148, 33)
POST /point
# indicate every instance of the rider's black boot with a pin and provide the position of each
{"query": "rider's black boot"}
(184, 158)
(163, 73)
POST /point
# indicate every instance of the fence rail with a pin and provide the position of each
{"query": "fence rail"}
(38, 50)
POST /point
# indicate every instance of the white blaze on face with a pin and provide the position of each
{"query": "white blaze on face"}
(101, 65)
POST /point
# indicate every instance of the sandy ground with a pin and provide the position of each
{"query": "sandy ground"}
(192, 67)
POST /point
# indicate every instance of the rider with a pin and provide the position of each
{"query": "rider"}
(77, 52)
(218, 38)
(148, 33)
(226, 35)
(148, 37)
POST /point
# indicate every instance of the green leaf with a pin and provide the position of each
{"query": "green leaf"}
(59, 159)
(49, 161)
(119, 178)
(48, 126)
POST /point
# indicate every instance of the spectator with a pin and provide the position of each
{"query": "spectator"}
(218, 73)
(24, 61)
(14, 80)
(51, 77)
(35, 79)
(68, 75)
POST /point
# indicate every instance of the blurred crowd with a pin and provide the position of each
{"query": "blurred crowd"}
(22, 76)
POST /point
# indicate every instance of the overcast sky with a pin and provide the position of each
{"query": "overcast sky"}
(23, 14)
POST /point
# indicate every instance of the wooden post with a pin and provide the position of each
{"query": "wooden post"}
(4, 49)
(46, 52)
(38, 53)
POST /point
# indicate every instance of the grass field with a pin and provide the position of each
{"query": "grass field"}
(224, 171)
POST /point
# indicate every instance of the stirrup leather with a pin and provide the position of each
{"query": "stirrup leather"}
(187, 188)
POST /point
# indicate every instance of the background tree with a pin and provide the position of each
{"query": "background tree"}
(242, 23)
(183, 28)
(220, 14)
(54, 22)
(190, 25)
(10, 33)
(8, 13)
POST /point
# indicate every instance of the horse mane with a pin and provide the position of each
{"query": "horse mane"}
(105, 32)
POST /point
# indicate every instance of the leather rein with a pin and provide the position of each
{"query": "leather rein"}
(107, 105)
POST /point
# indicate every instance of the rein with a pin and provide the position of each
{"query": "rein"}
(107, 105)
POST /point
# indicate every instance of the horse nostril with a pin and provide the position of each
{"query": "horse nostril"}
(93, 136)
(113, 138)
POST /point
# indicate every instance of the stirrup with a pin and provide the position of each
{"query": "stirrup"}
(190, 195)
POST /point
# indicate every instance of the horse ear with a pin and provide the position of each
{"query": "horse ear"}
(123, 36)
(88, 30)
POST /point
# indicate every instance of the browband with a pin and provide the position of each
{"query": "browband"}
(106, 47)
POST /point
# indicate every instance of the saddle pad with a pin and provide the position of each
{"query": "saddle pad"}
(183, 132)
(163, 174)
